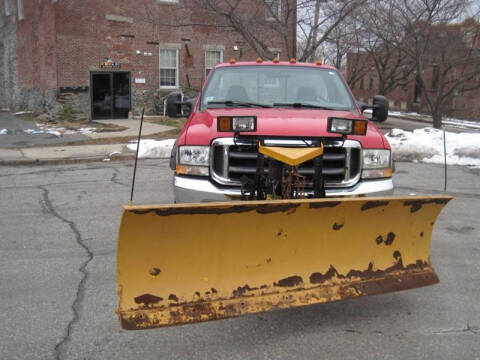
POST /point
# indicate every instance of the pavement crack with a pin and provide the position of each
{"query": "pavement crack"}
(22, 152)
(471, 329)
(114, 177)
(83, 270)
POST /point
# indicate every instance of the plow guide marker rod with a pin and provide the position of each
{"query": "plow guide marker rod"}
(187, 263)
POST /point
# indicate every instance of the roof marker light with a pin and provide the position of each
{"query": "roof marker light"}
(319, 62)
(259, 60)
(232, 61)
(276, 60)
(293, 61)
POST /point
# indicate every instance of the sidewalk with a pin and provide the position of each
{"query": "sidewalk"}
(64, 154)
(81, 152)
(132, 129)
(427, 119)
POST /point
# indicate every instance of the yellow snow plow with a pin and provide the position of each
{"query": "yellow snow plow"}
(187, 263)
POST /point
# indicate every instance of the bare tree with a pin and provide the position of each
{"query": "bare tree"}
(369, 50)
(446, 61)
(321, 21)
(260, 22)
(390, 64)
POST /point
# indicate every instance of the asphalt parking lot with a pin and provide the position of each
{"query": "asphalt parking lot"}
(59, 225)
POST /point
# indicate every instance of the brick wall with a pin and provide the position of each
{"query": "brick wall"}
(36, 46)
(8, 58)
(60, 43)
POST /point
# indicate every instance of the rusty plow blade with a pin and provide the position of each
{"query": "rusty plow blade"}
(186, 263)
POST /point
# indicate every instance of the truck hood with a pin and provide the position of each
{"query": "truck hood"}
(202, 126)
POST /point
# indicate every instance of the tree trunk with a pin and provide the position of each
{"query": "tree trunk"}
(437, 119)
(315, 29)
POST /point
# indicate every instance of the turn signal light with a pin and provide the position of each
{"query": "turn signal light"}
(377, 173)
(224, 123)
(359, 127)
(192, 170)
(180, 169)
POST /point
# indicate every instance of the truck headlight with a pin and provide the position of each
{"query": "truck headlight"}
(377, 163)
(193, 160)
(194, 155)
(347, 126)
(237, 123)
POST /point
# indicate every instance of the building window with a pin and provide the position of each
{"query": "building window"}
(469, 37)
(273, 9)
(20, 9)
(212, 58)
(8, 7)
(169, 68)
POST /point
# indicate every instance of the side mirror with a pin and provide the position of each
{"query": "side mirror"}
(176, 108)
(365, 109)
(380, 108)
(362, 105)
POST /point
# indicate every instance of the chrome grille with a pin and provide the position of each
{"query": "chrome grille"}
(230, 161)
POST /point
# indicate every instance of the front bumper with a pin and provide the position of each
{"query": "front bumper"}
(194, 190)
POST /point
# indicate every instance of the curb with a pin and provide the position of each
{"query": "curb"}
(61, 161)
(411, 119)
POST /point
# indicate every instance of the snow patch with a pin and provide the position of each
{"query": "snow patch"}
(426, 145)
(86, 131)
(58, 131)
(153, 148)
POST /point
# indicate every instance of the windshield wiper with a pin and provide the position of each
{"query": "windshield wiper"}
(237, 103)
(303, 105)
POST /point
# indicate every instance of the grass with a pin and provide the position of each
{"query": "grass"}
(70, 124)
(177, 123)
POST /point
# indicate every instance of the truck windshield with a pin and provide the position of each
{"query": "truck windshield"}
(276, 86)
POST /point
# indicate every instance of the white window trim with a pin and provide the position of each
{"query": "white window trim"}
(168, 2)
(8, 7)
(205, 58)
(160, 67)
(20, 13)
(277, 52)
(268, 8)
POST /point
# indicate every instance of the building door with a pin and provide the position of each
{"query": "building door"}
(110, 95)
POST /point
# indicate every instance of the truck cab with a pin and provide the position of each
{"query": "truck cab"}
(283, 104)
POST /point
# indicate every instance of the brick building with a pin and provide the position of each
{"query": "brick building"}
(102, 59)
(462, 40)
(365, 83)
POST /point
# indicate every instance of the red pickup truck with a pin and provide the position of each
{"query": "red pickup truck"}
(282, 104)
